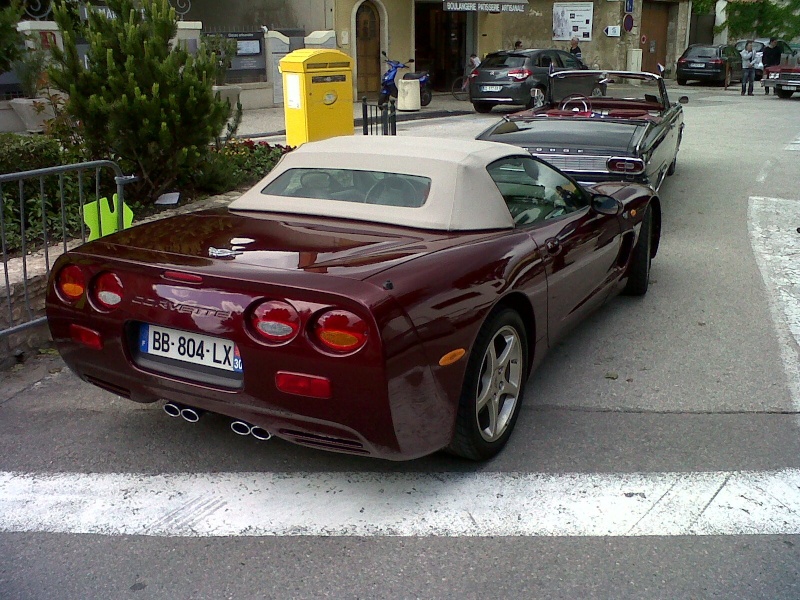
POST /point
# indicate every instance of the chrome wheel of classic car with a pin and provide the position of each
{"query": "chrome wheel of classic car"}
(639, 270)
(492, 388)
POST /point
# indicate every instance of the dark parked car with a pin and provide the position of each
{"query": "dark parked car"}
(519, 77)
(632, 132)
(758, 46)
(718, 63)
(398, 313)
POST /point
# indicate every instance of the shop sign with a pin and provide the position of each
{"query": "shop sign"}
(517, 6)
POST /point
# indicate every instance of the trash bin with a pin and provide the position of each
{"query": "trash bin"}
(407, 94)
(317, 95)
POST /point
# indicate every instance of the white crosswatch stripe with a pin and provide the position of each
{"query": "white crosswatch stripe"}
(390, 504)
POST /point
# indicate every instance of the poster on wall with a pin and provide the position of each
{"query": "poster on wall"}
(572, 19)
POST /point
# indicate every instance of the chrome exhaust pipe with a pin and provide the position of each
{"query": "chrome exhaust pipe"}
(173, 409)
(260, 433)
(192, 415)
(241, 428)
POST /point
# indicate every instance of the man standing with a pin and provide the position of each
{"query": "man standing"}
(574, 49)
(748, 67)
(771, 57)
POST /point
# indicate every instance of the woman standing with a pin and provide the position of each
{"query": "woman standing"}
(748, 67)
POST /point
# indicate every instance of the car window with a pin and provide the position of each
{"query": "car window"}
(507, 61)
(351, 185)
(570, 62)
(533, 191)
(544, 60)
(701, 52)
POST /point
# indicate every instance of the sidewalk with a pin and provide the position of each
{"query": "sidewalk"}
(269, 122)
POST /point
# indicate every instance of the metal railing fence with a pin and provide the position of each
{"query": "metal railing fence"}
(378, 119)
(17, 261)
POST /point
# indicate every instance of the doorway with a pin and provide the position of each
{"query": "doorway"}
(442, 42)
(368, 44)
(655, 21)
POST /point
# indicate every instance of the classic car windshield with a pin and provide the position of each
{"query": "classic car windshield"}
(351, 185)
(642, 90)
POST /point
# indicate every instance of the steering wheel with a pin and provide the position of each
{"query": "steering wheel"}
(575, 99)
(397, 191)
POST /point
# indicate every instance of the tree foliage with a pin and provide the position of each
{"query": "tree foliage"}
(139, 99)
(763, 18)
(10, 39)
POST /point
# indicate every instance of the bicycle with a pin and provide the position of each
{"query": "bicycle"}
(460, 88)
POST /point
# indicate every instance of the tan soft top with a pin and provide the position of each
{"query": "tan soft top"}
(462, 194)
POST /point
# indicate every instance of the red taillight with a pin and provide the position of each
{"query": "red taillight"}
(341, 331)
(301, 384)
(520, 74)
(85, 336)
(716, 61)
(682, 60)
(473, 74)
(107, 290)
(627, 166)
(275, 321)
(71, 283)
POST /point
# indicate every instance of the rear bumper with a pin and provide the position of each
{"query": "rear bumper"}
(782, 84)
(701, 74)
(511, 93)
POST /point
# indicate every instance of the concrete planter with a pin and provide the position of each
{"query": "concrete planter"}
(32, 112)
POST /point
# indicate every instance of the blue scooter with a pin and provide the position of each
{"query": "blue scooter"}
(389, 87)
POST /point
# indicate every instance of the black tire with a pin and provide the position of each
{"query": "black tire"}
(784, 93)
(681, 81)
(502, 336)
(425, 97)
(639, 269)
(458, 89)
(672, 166)
(483, 107)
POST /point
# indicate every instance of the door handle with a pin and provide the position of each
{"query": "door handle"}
(553, 246)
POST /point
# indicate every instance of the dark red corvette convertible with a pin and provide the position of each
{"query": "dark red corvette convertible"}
(382, 296)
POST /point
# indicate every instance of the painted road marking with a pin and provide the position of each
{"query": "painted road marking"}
(773, 224)
(403, 504)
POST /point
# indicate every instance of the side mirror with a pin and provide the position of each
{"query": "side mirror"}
(684, 99)
(606, 205)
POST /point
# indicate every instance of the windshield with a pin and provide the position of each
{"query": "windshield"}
(608, 85)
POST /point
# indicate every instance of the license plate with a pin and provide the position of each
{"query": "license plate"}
(697, 65)
(791, 88)
(491, 88)
(189, 347)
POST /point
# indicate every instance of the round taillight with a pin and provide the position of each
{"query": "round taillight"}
(341, 331)
(71, 283)
(275, 321)
(108, 290)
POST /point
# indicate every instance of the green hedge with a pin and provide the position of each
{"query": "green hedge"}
(27, 152)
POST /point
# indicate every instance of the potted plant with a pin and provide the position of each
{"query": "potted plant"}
(31, 71)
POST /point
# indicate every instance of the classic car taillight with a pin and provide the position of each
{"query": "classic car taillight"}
(628, 166)
(85, 336)
(275, 321)
(107, 290)
(341, 331)
(520, 74)
(301, 384)
(71, 283)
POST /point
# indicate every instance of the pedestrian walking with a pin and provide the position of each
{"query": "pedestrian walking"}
(770, 57)
(575, 49)
(748, 67)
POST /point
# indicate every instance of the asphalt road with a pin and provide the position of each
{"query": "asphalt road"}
(695, 377)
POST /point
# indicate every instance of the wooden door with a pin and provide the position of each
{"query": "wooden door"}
(368, 44)
(653, 31)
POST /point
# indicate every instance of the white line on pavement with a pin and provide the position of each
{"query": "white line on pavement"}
(773, 224)
(403, 504)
